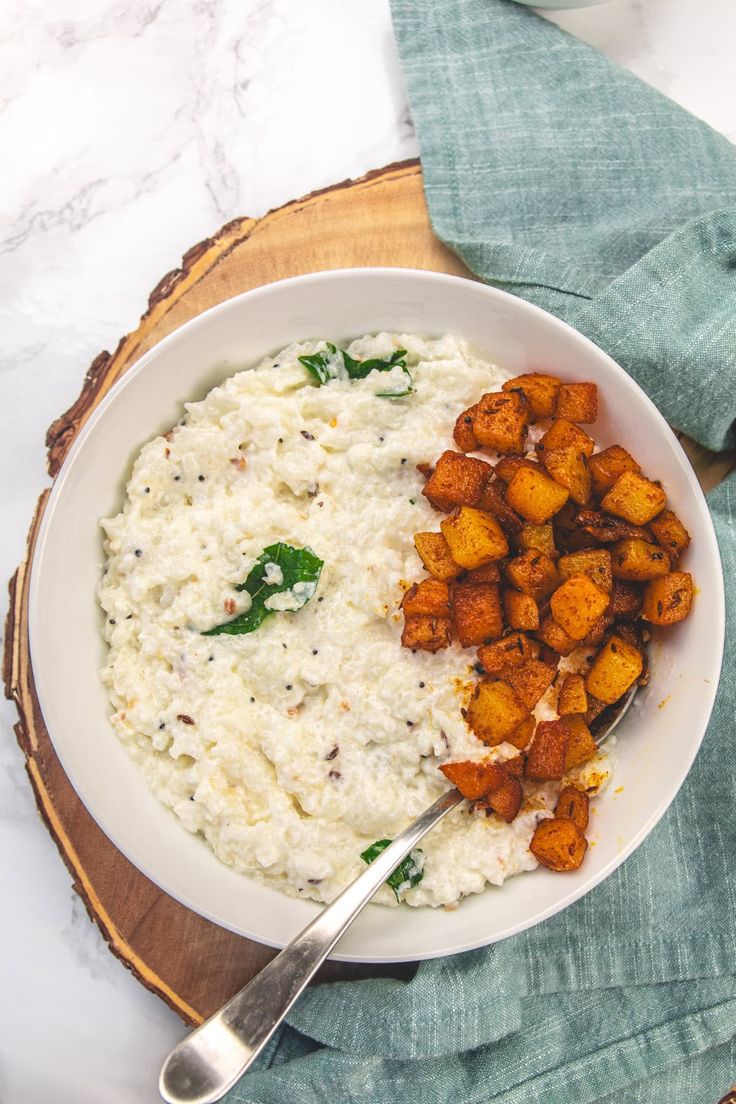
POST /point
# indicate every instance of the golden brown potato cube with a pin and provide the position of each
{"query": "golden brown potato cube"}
(533, 573)
(572, 697)
(500, 421)
(507, 467)
(488, 573)
(569, 468)
(615, 669)
(595, 708)
(535, 496)
(476, 609)
(669, 599)
(608, 465)
(555, 637)
(511, 651)
(493, 501)
(638, 561)
(539, 390)
(573, 804)
(431, 597)
(563, 434)
(577, 605)
(671, 534)
(634, 498)
(474, 779)
(434, 552)
(569, 535)
(521, 736)
(531, 680)
(626, 600)
(578, 402)
(545, 759)
(595, 563)
(537, 537)
(521, 610)
(463, 434)
(426, 633)
(457, 480)
(597, 631)
(558, 844)
(495, 711)
(581, 747)
(474, 537)
(506, 799)
(605, 528)
(516, 765)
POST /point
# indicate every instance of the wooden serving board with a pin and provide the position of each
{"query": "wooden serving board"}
(379, 220)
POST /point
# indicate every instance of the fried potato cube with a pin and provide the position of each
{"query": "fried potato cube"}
(615, 669)
(463, 434)
(521, 610)
(515, 765)
(431, 597)
(507, 467)
(545, 759)
(506, 799)
(605, 528)
(558, 844)
(608, 465)
(476, 609)
(495, 711)
(569, 468)
(568, 533)
(638, 561)
(493, 501)
(634, 498)
(597, 631)
(573, 804)
(572, 697)
(426, 633)
(581, 746)
(434, 552)
(457, 480)
(488, 573)
(521, 736)
(578, 402)
(510, 651)
(669, 599)
(555, 637)
(474, 779)
(671, 534)
(474, 537)
(500, 421)
(564, 434)
(535, 496)
(595, 563)
(531, 680)
(577, 605)
(595, 708)
(539, 390)
(533, 573)
(538, 537)
(626, 600)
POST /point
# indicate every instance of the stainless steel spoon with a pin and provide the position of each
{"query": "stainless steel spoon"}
(202, 1068)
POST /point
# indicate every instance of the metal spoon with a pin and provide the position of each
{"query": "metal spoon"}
(202, 1068)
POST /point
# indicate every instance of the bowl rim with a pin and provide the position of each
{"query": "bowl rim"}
(181, 334)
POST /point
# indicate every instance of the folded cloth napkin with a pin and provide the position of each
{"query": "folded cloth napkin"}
(558, 176)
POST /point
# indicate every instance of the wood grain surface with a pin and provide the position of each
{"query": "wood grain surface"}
(381, 219)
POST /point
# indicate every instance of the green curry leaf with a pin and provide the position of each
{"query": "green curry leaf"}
(407, 874)
(295, 573)
(333, 363)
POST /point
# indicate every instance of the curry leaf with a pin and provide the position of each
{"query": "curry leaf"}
(332, 363)
(280, 569)
(407, 874)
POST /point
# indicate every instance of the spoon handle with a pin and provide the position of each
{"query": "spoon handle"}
(202, 1068)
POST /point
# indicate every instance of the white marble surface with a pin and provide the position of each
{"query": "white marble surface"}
(130, 130)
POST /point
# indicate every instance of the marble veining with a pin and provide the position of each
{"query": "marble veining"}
(132, 129)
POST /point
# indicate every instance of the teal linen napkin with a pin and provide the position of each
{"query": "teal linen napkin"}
(563, 179)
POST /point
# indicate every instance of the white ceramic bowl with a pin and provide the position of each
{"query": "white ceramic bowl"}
(658, 740)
